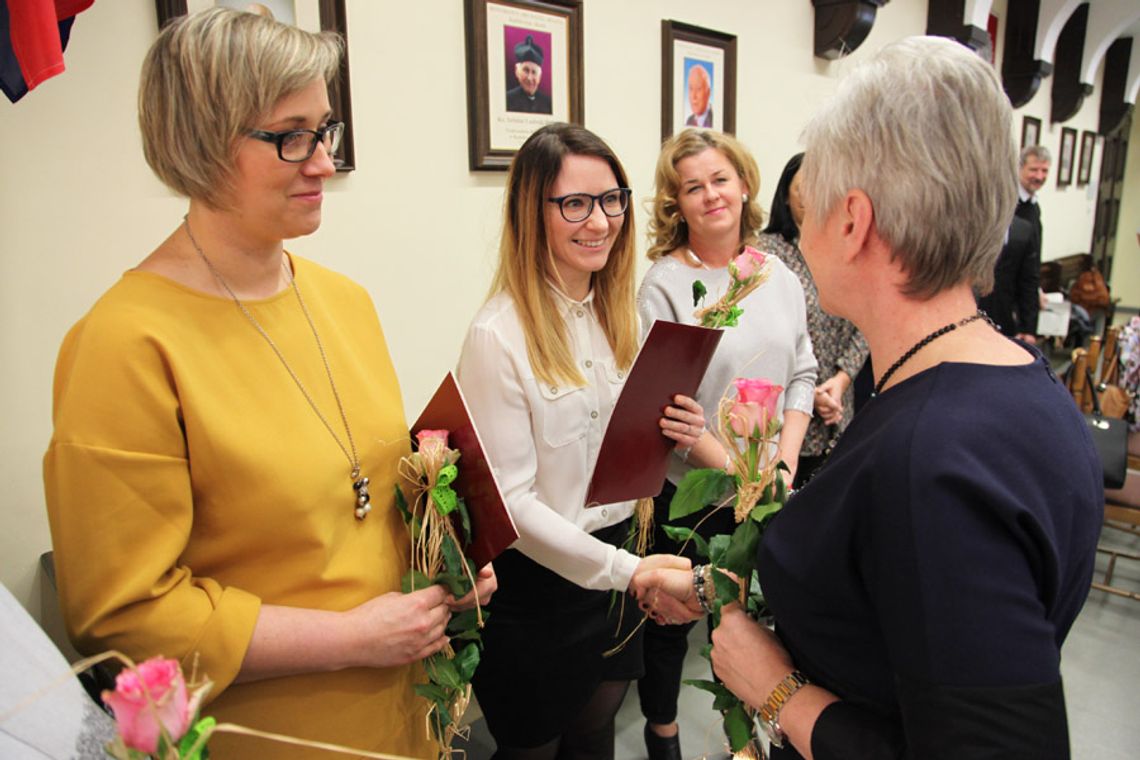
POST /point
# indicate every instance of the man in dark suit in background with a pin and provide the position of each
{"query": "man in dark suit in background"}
(1032, 172)
(1013, 304)
(526, 98)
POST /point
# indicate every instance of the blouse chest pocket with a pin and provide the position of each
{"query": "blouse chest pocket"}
(563, 414)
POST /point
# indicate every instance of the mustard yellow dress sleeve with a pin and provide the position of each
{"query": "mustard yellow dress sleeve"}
(189, 481)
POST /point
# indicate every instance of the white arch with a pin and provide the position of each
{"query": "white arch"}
(1050, 21)
(1107, 19)
(1133, 85)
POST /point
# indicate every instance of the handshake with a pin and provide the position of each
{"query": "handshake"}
(665, 588)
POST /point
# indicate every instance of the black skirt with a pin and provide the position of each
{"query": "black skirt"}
(544, 644)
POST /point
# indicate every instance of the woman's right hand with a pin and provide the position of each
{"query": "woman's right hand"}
(396, 629)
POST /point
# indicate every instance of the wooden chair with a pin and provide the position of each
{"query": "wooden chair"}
(1122, 506)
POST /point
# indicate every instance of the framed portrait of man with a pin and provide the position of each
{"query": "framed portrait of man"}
(1065, 156)
(311, 15)
(1030, 132)
(698, 78)
(524, 70)
(1084, 168)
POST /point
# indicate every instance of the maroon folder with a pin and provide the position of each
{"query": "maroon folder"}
(492, 529)
(634, 455)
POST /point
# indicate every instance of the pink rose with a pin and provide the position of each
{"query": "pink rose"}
(141, 720)
(430, 438)
(748, 262)
(755, 405)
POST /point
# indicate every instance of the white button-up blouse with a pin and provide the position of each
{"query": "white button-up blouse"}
(542, 439)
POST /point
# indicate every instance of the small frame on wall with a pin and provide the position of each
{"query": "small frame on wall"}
(698, 78)
(1065, 156)
(1030, 132)
(313, 15)
(524, 70)
(1084, 168)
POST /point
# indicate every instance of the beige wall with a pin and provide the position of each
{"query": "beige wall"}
(412, 224)
(1126, 258)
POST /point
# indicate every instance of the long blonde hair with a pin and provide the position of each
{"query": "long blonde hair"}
(526, 263)
(667, 230)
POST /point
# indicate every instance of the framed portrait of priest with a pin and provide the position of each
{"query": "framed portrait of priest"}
(698, 78)
(524, 70)
(311, 15)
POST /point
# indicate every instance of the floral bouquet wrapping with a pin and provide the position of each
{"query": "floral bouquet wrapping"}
(440, 529)
(746, 272)
(747, 427)
(157, 714)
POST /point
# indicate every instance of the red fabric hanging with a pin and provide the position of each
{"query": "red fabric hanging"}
(34, 32)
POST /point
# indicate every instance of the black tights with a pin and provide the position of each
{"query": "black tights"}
(590, 736)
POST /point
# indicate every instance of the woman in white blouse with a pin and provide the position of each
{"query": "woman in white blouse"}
(541, 368)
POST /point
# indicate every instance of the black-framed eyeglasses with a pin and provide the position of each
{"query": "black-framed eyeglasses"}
(577, 207)
(298, 145)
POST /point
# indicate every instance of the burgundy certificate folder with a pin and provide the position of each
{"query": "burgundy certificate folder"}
(634, 455)
(492, 529)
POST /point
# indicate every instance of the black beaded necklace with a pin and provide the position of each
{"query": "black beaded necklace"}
(922, 343)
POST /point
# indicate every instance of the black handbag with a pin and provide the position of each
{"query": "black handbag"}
(1111, 438)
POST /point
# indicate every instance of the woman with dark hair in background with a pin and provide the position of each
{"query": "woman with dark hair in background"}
(838, 345)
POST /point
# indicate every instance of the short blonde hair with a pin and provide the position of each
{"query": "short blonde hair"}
(526, 263)
(667, 231)
(207, 79)
(924, 129)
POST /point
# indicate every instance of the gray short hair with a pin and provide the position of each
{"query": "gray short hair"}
(924, 129)
(1040, 152)
(208, 78)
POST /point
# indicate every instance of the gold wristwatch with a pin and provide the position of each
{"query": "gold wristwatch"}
(770, 710)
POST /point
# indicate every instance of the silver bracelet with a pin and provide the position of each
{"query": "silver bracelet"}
(699, 588)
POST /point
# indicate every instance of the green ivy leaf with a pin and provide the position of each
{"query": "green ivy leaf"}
(698, 489)
(414, 580)
(457, 585)
(737, 727)
(699, 292)
(466, 660)
(718, 546)
(432, 692)
(741, 555)
(442, 671)
(706, 652)
(727, 590)
(464, 520)
(681, 535)
(762, 512)
(467, 620)
(402, 505)
(712, 687)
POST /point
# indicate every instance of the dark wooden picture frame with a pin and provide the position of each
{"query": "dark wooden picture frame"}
(1065, 156)
(333, 19)
(1084, 167)
(496, 126)
(1030, 132)
(707, 45)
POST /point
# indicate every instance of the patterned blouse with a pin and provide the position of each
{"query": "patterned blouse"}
(838, 344)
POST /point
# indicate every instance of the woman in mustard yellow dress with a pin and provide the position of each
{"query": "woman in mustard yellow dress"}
(228, 422)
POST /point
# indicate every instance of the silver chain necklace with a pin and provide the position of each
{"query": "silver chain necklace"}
(359, 484)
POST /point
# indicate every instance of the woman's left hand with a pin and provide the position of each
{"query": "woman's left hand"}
(485, 584)
(684, 422)
(747, 656)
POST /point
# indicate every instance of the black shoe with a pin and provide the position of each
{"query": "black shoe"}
(662, 747)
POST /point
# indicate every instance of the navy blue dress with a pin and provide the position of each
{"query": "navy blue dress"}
(930, 572)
